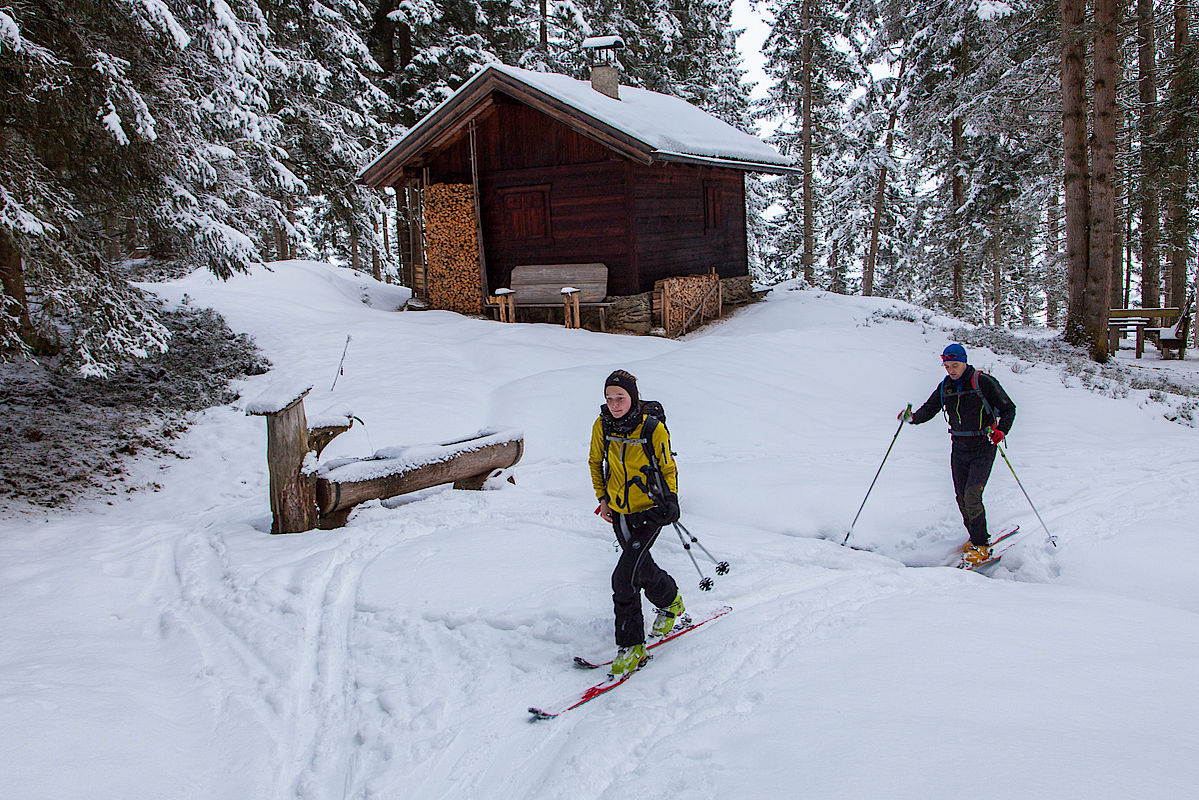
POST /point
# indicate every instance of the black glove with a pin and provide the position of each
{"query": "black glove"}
(666, 511)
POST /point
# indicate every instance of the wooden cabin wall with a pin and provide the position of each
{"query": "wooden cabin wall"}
(689, 220)
(536, 166)
(644, 222)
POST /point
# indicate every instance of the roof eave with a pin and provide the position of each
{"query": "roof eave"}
(727, 163)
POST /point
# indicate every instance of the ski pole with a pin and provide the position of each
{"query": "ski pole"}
(902, 419)
(1052, 538)
(722, 567)
(705, 582)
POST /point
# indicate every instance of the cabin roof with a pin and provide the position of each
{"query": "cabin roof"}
(642, 125)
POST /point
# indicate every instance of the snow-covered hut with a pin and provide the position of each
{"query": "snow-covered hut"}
(530, 168)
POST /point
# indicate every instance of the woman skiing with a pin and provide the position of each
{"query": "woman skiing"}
(980, 414)
(635, 480)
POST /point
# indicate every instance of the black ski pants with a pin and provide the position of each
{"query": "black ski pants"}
(970, 460)
(636, 572)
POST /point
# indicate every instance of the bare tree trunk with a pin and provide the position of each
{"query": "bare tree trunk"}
(1116, 289)
(1150, 178)
(958, 238)
(1053, 257)
(376, 267)
(1075, 167)
(355, 259)
(836, 272)
(543, 31)
(1182, 97)
(1097, 285)
(809, 212)
(880, 193)
(12, 280)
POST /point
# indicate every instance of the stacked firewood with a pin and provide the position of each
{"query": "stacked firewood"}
(452, 248)
(684, 303)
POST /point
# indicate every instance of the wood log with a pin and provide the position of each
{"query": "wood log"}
(345, 485)
(293, 491)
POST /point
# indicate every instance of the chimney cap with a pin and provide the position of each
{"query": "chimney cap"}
(603, 43)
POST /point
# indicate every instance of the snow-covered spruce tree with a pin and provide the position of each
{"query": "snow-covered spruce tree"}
(334, 117)
(811, 75)
(979, 107)
(94, 131)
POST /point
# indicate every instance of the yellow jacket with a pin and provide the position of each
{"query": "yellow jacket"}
(626, 457)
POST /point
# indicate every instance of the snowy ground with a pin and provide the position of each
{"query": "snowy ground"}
(168, 647)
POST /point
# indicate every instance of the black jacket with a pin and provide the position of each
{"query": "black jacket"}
(964, 407)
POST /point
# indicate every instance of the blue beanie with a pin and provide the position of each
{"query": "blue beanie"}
(955, 352)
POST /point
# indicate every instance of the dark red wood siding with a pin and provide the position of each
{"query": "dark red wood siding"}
(688, 220)
(550, 195)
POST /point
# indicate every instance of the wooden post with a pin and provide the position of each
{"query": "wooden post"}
(570, 307)
(507, 305)
(293, 493)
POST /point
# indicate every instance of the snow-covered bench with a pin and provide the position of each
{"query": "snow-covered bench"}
(1174, 337)
(546, 285)
(305, 495)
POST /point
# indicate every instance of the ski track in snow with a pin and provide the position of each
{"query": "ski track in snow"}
(395, 657)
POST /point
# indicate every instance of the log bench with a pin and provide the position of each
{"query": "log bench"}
(566, 286)
(466, 463)
(304, 495)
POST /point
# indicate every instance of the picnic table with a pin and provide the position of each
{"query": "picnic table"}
(1139, 323)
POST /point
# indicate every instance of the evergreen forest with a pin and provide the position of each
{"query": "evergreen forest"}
(1027, 162)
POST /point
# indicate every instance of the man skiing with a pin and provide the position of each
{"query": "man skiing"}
(635, 480)
(980, 415)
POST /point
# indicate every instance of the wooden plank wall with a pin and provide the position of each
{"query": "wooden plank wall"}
(672, 224)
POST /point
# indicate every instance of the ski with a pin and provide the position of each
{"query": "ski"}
(611, 682)
(996, 551)
(684, 625)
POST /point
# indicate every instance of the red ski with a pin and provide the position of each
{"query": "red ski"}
(611, 682)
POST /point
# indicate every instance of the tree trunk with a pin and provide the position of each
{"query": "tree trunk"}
(12, 279)
(1097, 284)
(1116, 288)
(1182, 98)
(1053, 257)
(1075, 167)
(880, 193)
(376, 267)
(1150, 178)
(543, 31)
(957, 234)
(809, 212)
(355, 260)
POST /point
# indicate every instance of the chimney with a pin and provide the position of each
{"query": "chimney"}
(605, 77)
(606, 80)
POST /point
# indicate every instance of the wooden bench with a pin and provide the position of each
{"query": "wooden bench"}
(543, 285)
(1117, 329)
(1175, 336)
(1150, 323)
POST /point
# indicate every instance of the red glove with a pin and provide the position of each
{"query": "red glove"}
(996, 436)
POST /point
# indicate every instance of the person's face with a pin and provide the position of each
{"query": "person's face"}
(618, 401)
(955, 368)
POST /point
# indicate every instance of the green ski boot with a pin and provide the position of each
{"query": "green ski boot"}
(629, 659)
(664, 622)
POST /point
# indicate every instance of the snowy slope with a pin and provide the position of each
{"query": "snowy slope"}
(167, 647)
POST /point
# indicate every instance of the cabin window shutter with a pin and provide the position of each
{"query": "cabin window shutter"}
(526, 212)
(712, 217)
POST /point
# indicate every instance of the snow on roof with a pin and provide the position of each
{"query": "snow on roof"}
(670, 125)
